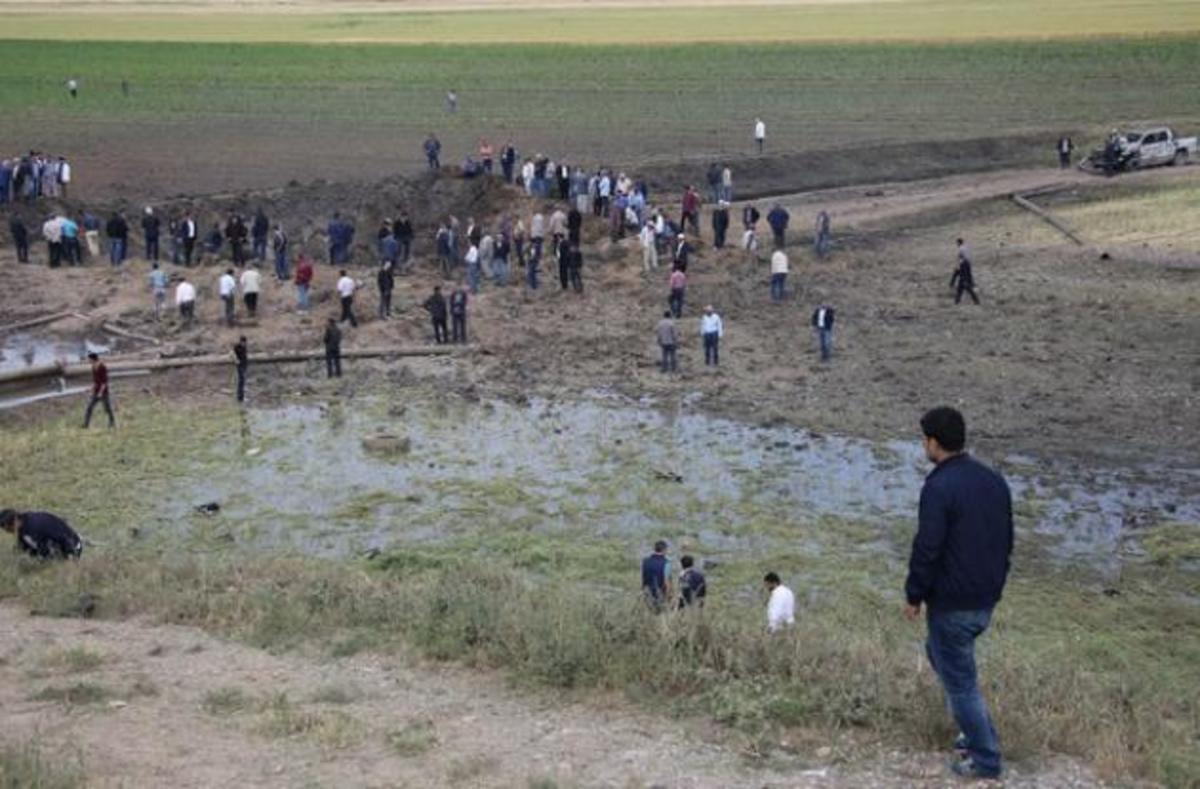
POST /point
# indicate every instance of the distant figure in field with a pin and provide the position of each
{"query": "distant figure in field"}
(822, 321)
(42, 535)
(251, 282)
(227, 290)
(73, 87)
(720, 223)
(435, 305)
(260, 227)
(158, 286)
(241, 361)
(779, 272)
(125, 88)
(20, 236)
(693, 587)
(781, 605)
(1065, 147)
(668, 342)
(333, 349)
(821, 240)
(303, 280)
(185, 300)
(963, 278)
(99, 392)
(345, 288)
(150, 231)
(957, 570)
(433, 149)
(386, 281)
(712, 329)
(656, 577)
(778, 218)
(760, 134)
(451, 101)
(458, 315)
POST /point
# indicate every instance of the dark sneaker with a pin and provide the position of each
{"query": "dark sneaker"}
(960, 745)
(966, 768)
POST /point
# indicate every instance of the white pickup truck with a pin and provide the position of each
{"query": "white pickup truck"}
(1156, 146)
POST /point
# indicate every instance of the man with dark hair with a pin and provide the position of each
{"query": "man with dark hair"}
(42, 535)
(20, 236)
(235, 234)
(387, 283)
(433, 149)
(333, 349)
(962, 274)
(656, 577)
(720, 224)
(693, 587)
(781, 604)
(668, 342)
(957, 570)
(117, 231)
(241, 361)
(260, 226)
(436, 306)
(778, 218)
(822, 321)
(1064, 148)
(150, 230)
(458, 315)
(99, 391)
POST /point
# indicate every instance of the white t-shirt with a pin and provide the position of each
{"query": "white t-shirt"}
(345, 287)
(760, 130)
(185, 292)
(226, 285)
(781, 609)
(250, 281)
(779, 262)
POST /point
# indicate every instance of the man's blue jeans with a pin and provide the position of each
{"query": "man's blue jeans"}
(951, 651)
(531, 274)
(825, 339)
(116, 250)
(777, 281)
(302, 297)
(473, 272)
(281, 266)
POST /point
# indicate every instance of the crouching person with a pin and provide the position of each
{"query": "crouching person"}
(42, 535)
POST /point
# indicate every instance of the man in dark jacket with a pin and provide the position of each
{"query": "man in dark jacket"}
(963, 276)
(433, 149)
(458, 315)
(693, 587)
(749, 217)
(259, 229)
(117, 231)
(778, 220)
(822, 321)
(957, 571)
(508, 157)
(333, 349)
(99, 391)
(20, 235)
(235, 234)
(574, 225)
(387, 283)
(150, 228)
(403, 231)
(720, 223)
(241, 362)
(656, 577)
(436, 306)
(42, 535)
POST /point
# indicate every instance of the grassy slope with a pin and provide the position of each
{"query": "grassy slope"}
(866, 21)
(1069, 669)
(817, 96)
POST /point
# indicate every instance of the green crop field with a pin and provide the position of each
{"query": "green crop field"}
(810, 21)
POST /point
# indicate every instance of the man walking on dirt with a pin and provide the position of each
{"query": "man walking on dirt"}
(251, 285)
(20, 236)
(822, 321)
(304, 277)
(963, 276)
(778, 218)
(158, 286)
(760, 134)
(185, 300)
(189, 232)
(117, 231)
(235, 234)
(333, 349)
(241, 361)
(345, 288)
(1065, 147)
(656, 577)
(387, 283)
(259, 229)
(677, 284)
(711, 331)
(720, 224)
(435, 305)
(668, 343)
(458, 315)
(150, 228)
(226, 289)
(779, 272)
(960, 560)
(99, 392)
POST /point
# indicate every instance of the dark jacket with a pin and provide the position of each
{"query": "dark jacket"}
(458, 302)
(654, 575)
(962, 551)
(829, 317)
(749, 216)
(261, 226)
(436, 304)
(404, 230)
(720, 220)
(48, 536)
(962, 275)
(778, 219)
(385, 279)
(693, 588)
(117, 228)
(150, 225)
(333, 337)
(19, 232)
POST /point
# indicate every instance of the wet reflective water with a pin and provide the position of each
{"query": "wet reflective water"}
(23, 350)
(303, 477)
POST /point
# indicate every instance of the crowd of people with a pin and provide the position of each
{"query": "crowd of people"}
(32, 176)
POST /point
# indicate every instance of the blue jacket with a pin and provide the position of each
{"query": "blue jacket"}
(654, 575)
(778, 219)
(962, 551)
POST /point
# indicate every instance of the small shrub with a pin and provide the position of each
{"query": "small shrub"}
(225, 701)
(26, 767)
(414, 739)
(78, 694)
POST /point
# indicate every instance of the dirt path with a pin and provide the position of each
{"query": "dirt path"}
(169, 717)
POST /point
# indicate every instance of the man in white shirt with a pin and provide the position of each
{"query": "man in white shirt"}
(779, 272)
(345, 288)
(760, 133)
(781, 606)
(185, 300)
(649, 241)
(711, 330)
(226, 288)
(251, 282)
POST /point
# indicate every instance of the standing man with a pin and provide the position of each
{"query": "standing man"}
(779, 272)
(185, 300)
(959, 564)
(403, 231)
(778, 218)
(333, 349)
(682, 251)
(190, 232)
(821, 241)
(99, 392)
(822, 321)
(241, 360)
(562, 251)
(20, 236)
(508, 158)
(42, 535)
(677, 283)
(226, 289)
(458, 315)
(279, 246)
(52, 232)
(73, 87)
(235, 234)
(712, 330)
(668, 343)
(575, 266)
(963, 276)
(781, 604)
(251, 285)
(693, 587)
(649, 241)
(760, 134)
(345, 288)
(690, 210)
(720, 224)
(304, 276)
(433, 149)
(259, 229)
(1065, 146)
(474, 268)
(387, 283)
(72, 252)
(656, 577)
(436, 306)
(150, 228)
(727, 185)
(158, 286)
(452, 101)
(117, 231)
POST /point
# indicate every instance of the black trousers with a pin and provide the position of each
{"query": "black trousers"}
(241, 382)
(99, 398)
(564, 274)
(458, 326)
(55, 253)
(152, 248)
(22, 250)
(576, 278)
(251, 300)
(189, 244)
(963, 288)
(385, 303)
(238, 252)
(440, 335)
(348, 311)
(333, 361)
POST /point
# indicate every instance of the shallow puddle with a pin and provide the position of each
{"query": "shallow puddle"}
(22, 350)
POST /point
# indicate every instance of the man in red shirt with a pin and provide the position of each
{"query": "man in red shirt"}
(690, 214)
(304, 275)
(99, 391)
